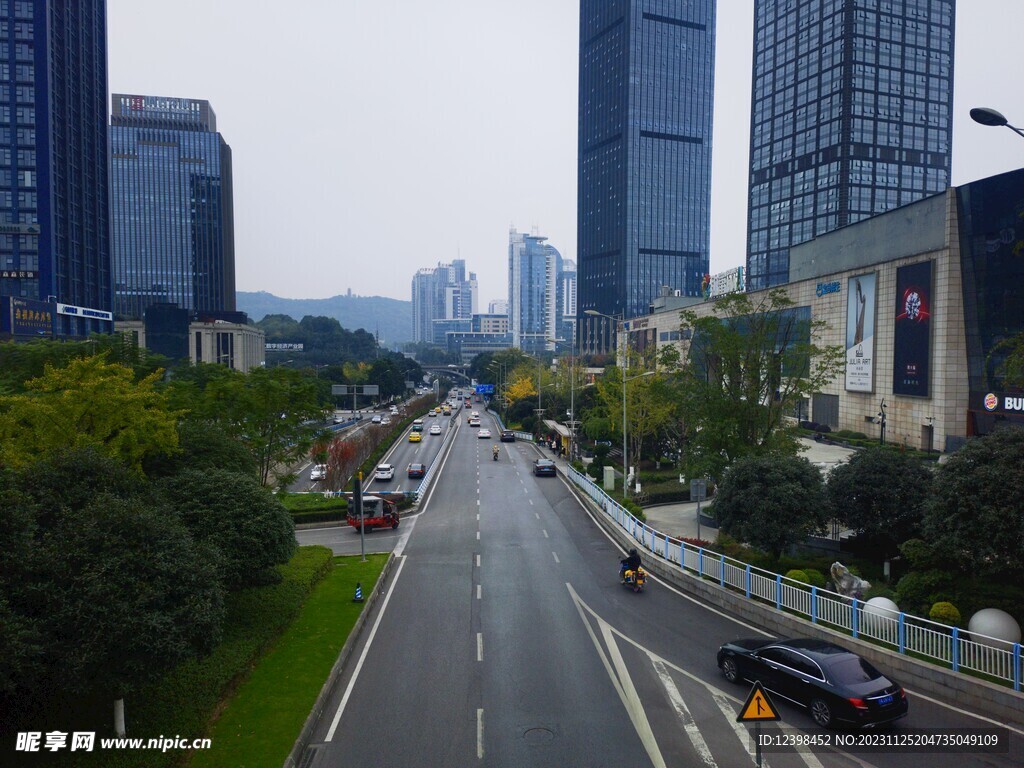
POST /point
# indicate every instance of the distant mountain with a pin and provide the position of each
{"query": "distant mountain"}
(391, 318)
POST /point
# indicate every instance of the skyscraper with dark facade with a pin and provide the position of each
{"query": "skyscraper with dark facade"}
(851, 116)
(172, 211)
(644, 165)
(53, 160)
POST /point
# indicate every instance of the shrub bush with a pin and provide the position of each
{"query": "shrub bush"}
(881, 591)
(815, 578)
(945, 613)
(798, 575)
(918, 590)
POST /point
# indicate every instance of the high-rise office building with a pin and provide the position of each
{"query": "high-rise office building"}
(172, 210)
(644, 167)
(537, 300)
(851, 116)
(53, 162)
(444, 292)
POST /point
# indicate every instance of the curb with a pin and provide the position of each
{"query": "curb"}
(339, 665)
(983, 697)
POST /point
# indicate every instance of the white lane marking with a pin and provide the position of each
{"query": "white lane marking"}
(537, 515)
(531, 502)
(683, 712)
(478, 535)
(964, 711)
(729, 705)
(478, 516)
(631, 700)
(478, 502)
(366, 650)
(479, 646)
(478, 561)
(477, 591)
(545, 534)
(555, 555)
(480, 734)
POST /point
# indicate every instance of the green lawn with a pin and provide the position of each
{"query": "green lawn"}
(259, 725)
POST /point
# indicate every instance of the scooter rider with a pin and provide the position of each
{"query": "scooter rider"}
(494, 452)
(632, 562)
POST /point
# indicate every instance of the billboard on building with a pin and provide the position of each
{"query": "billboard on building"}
(730, 281)
(26, 317)
(860, 333)
(912, 334)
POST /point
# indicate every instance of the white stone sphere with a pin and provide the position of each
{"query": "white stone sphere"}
(994, 623)
(879, 616)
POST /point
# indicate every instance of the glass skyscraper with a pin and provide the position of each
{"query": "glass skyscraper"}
(644, 165)
(172, 213)
(443, 292)
(53, 160)
(536, 292)
(851, 116)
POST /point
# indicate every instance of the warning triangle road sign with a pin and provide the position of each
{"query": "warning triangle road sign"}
(758, 707)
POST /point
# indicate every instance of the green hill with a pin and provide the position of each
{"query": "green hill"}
(391, 318)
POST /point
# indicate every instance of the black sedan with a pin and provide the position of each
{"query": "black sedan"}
(837, 686)
(544, 467)
(508, 436)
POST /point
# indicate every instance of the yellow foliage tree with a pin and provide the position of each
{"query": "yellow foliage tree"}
(88, 402)
(519, 387)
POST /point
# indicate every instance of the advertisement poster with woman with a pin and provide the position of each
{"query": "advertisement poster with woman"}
(860, 333)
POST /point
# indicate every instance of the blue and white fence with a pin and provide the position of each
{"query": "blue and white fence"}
(899, 632)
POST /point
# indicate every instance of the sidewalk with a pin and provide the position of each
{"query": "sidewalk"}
(679, 519)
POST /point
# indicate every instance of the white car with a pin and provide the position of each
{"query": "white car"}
(319, 472)
(385, 421)
(377, 419)
(384, 472)
(474, 422)
(484, 433)
(436, 429)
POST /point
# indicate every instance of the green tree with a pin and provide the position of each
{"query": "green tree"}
(881, 493)
(233, 514)
(771, 502)
(649, 406)
(271, 411)
(21, 639)
(203, 444)
(974, 512)
(749, 366)
(89, 402)
(125, 595)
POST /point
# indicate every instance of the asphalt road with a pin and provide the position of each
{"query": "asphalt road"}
(505, 639)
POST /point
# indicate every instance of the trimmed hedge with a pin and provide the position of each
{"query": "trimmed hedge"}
(186, 698)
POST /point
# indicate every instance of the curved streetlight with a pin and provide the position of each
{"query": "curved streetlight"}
(625, 364)
(993, 118)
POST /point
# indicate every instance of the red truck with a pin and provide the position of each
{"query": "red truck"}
(379, 511)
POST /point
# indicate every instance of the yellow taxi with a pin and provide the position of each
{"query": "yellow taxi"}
(415, 437)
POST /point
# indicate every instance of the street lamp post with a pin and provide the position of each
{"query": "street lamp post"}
(572, 394)
(991, 117)
(625, 364)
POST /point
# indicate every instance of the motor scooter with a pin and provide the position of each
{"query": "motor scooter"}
(634, 580)
(494, 453)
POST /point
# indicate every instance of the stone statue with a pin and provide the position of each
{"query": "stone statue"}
(846, 583)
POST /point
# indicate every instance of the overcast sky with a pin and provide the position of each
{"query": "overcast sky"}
(374, 137)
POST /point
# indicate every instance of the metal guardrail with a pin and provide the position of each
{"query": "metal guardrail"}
(522, 436)
(900, 632)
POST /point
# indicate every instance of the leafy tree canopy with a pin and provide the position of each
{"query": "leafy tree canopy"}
(881, 493)
(771, 502)
(249, 528)
(749, 366)
(88, 402)
(974, 512)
